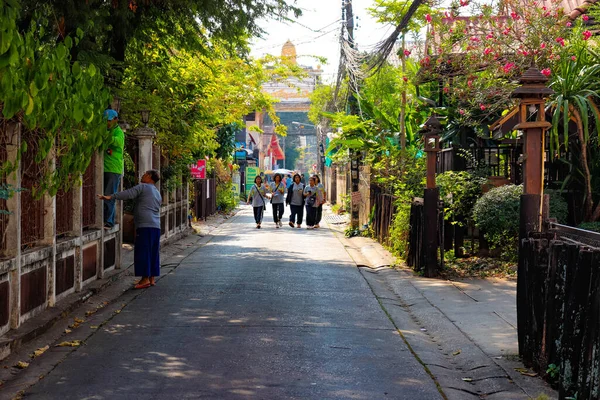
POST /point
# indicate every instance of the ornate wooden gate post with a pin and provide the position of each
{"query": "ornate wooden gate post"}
(532, 121)
(431, 130)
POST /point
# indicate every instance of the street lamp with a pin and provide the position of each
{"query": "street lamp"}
(431, 131)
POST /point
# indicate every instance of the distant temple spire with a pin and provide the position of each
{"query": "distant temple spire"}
(289, 51)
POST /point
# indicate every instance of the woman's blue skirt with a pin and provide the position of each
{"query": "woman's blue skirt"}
(146, 253)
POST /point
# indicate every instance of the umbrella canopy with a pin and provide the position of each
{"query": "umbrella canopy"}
(283, 171)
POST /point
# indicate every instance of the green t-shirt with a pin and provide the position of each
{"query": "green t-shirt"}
(113, 156)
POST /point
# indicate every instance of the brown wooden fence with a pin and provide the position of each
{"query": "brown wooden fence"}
(32, 208)
(205, 198)
(383, 214)
(3, 206)
(64, 212)
(558, 309)
(89, 195)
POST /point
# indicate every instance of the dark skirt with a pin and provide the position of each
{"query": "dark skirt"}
(146, 253)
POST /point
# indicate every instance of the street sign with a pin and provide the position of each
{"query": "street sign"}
(198, 171)
(251, 173)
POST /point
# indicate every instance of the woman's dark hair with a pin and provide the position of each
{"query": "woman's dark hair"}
(317, 178)
(296, 175)
(154, 175)
(275, 177)
(258, 177)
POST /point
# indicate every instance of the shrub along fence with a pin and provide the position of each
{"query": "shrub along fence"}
(558, 300)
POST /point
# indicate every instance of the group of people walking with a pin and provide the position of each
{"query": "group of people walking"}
(299, 196)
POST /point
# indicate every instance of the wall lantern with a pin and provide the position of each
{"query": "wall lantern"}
(145, 116)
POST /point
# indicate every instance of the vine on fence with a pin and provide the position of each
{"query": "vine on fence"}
(59, 100)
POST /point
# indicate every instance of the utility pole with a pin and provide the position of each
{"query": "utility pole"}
(348, 14)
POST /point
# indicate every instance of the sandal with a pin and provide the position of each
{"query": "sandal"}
(144, 286)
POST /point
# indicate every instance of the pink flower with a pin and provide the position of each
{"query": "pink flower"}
(514, 15)
(428, 18)
(573, 58)
(482, 107)
(585, 17)
(470, 83)
(546, 71)
(461, 111)
(586, 35)
(569, 24)
(475, 39)
(543, 46)
(525, 53)
(561, 41)
(544, 8)
(464, 3)
(507, 67)
(506, 31)
(405, 79)
(446, 89)
(406, 53)
(489, 36)
(487, 51)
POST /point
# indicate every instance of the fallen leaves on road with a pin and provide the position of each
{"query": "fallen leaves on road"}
(467, 379)
(21, 365)
(89, 313)
(68, 331)
(74, 343)
(39, 351)
(526, 372)
(78, 321)
(457, 352)
(93, 327)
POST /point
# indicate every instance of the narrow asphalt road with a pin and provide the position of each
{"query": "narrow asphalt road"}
(254, 314)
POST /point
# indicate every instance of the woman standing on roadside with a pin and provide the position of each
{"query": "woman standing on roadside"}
(277, 189)
(257, 194)
(321, 196)
(310, 193)
(295, 199)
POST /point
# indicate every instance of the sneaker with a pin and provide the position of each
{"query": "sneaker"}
(298, 226)
(280, 224)
(310, 228)
(276, 225)
(257, 226)
(316, 226)
(291, 224)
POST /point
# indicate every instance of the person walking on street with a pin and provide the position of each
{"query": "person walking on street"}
(277, 189)
(113, 164)
(146, 216)
(288, 182)
(310, 193)
(295, 199)
(303, 179)
(321, 197)
(257, 194)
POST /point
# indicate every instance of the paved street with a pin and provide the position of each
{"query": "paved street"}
(262, 314)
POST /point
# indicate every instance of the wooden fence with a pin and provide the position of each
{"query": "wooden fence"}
(558, 309)
(383, 214)
(205, 198)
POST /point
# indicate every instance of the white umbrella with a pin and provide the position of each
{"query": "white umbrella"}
(283, 171)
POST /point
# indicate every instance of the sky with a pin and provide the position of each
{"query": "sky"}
(317, 31)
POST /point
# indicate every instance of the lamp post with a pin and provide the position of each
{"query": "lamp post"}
(532, 121)
(431, 131)
(144, 136)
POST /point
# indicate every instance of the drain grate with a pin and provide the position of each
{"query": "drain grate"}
(336, 219)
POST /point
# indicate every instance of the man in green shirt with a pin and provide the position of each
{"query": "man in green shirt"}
(113, 165)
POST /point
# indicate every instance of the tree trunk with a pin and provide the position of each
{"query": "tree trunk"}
(588, 202)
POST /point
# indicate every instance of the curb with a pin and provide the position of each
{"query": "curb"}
(11, 341)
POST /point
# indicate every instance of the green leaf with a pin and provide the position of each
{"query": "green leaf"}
(77, 113)
(68, 42)
(6, 37)
(29, 109)
(76, 68)
(92, 70)
(79, 33)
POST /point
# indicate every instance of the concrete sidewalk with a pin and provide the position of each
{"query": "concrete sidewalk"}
(472, 321)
